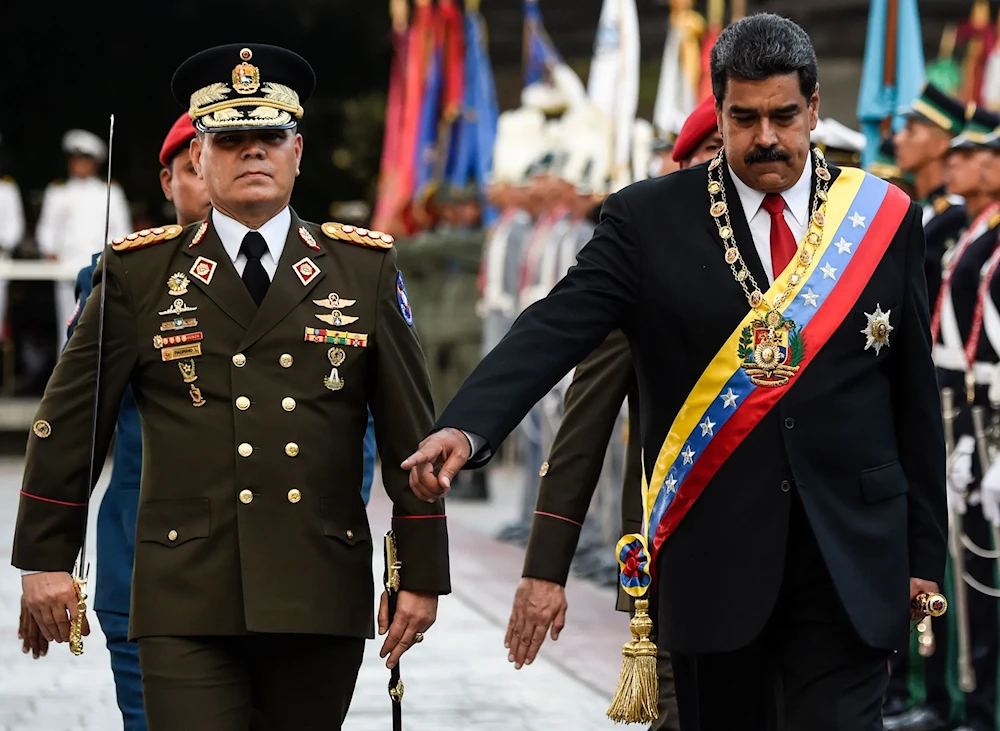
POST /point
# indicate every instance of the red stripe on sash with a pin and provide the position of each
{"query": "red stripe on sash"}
(823, 324)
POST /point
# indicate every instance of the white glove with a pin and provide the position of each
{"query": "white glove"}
(994, 392)
(960, 473)
(990, 494)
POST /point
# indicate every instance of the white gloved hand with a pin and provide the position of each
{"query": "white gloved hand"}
(960, 473)
(990, 494)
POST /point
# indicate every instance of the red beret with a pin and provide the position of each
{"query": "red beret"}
(179, 135)
(699, 125)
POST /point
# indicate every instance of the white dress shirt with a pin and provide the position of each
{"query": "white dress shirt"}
(275, 231)
(797, 202)
(796, 214)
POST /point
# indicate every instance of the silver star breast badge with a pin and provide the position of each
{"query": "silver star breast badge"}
(877, 330)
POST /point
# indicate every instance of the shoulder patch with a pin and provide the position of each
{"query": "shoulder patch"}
(359, 236)
(146, 237)
(995, 220)
(941, 205)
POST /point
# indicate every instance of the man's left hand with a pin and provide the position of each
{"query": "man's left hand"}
(415, 612)
(920, 586)
(30, 634)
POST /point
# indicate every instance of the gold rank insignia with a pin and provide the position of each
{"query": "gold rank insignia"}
(337, 319)
(146, 237)
(178, 284)
(359, 236)
(333, 301)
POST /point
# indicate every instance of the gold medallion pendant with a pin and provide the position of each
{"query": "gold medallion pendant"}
(771, 350)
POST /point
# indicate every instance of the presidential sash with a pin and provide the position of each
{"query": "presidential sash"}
(733, 395)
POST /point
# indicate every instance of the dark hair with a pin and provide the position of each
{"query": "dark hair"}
(760, 46)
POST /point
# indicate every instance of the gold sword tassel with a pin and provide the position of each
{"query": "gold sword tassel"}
(76, 625)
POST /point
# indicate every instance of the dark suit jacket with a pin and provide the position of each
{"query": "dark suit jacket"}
(250, 511)
(859, 435)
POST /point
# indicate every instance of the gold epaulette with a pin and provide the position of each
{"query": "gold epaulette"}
(941, 205)
(359, 236)
(146, 237)
(995, 220)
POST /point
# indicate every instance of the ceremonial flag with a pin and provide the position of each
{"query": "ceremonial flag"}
(893, 71)
(477, 125)
(716, 14)
(980, 39)
(389, 200)
(539, 53)
(945, 72)
(613, 84)
(427, 134)
(679, 73)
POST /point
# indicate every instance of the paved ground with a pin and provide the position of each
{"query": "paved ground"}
(458, 678)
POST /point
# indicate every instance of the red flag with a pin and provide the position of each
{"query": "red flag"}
(386, 204)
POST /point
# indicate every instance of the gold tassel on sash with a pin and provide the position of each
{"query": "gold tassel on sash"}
(635, 698)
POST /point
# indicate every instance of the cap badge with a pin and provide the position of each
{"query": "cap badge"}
(246, 78)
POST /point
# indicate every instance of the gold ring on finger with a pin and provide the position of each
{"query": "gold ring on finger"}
(418, 638)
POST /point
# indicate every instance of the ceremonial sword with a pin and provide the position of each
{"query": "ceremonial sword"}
(81, 570)
(391, 579)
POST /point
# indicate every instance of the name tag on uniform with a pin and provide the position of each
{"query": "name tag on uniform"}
(180, 351)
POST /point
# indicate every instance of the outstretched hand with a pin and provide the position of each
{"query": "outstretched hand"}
(436, 462)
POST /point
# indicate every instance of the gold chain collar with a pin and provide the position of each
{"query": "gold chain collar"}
(814, 236)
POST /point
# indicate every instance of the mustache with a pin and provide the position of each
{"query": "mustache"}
(766, 154)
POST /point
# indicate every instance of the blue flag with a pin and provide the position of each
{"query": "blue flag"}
(540, 55)
(876, 99)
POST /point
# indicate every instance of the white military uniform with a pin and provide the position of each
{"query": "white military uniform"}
(11, 233)
(71, 223)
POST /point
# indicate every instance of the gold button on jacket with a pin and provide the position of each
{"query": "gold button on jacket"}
(172, 535)
(242, 403)
(247, 559)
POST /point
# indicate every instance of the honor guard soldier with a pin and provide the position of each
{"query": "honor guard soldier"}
(918, 693)
(966, 363)
(254, 343)
(71, 222)
(570, 475)
(932, 121)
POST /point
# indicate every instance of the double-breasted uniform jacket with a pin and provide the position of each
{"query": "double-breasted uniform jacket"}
(858, 435)
(250, 516)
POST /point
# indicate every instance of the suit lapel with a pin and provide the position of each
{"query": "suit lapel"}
(287, 289)
(224, 288)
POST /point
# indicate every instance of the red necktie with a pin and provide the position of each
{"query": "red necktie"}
(783, 244)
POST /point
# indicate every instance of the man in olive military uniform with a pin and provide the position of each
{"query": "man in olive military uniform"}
(254, 343)
(570, 476)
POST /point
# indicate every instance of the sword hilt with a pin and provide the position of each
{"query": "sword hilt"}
(76, 625)
(931, 605)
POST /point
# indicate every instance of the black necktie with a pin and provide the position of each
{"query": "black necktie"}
(254, 276)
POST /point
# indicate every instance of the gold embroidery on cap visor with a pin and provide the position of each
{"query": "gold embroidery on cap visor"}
(212, 107)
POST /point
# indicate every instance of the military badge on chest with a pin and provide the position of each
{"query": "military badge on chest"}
(336, 317)
(183, 347)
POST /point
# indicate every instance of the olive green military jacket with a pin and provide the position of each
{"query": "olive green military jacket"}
(569, 477)
(250, 511)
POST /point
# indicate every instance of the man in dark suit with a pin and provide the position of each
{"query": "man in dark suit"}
(252, 583)
(570, 475)
(793, 448)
